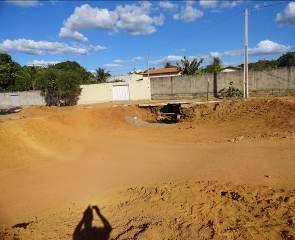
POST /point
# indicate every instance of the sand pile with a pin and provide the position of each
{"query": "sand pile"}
(179, 210)
(272, 113)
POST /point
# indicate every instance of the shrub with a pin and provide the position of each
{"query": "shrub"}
(231, 91)
(59, 87)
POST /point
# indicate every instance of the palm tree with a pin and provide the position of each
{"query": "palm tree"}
(215, 67)
(190, 67)
(102, 75)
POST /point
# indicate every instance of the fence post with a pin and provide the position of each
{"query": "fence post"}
(215, 84)
(208, 89)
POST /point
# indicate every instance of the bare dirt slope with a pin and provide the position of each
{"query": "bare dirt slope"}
(53, 158)
(179, 210)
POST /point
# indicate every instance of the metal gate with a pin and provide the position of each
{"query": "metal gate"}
(120, 93)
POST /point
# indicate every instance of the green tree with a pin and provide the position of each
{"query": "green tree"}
(190, 67)
(85, 77)
(102, 75)
(287, 60)
(8, 70)
(169, 65)
(13, 77)
(262, 65)
(69, 87)
(60, 87)
(215, 66)
(23, 80)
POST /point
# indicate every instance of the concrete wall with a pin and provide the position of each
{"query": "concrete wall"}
(93, 93)
(21, 98)
(139, 89)
(260, 82)
(97, 93)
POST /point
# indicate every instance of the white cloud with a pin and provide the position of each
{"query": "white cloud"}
(231, 53)
(173, 59)
(86, 17)
(119, 61)
(288, 16)
(134, 59)
(23, 3)
(220, 3)
(136, 19)
(188, 13)
(230, 3)
(68, 33)
(42, 63)
(208, 3)
(265, 47)
(257, 6)
(112, 65)
(40, 47)
(268, 47)
(169, 58)
(97, 47)
(167, 5)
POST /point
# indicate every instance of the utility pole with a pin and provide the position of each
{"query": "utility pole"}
(148, 66)
(246, 90)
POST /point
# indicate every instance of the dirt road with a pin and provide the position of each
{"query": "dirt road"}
(51, 158)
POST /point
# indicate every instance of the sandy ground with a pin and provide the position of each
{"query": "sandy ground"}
(226, 173)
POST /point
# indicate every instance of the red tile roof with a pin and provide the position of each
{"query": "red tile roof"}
(162, 71)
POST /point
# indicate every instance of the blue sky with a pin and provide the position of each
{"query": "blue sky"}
(124, 35)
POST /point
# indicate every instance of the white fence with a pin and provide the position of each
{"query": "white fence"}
(21, 98)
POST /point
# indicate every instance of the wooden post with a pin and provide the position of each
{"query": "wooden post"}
(208, 89)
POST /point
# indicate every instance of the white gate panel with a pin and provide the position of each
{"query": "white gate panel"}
(15, 101)
(120, 93)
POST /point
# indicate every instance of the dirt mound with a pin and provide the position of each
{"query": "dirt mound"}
(275, 113)
(179, 210)
(42, 133)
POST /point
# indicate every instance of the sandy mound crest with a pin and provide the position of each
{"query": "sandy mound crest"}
(180, 210)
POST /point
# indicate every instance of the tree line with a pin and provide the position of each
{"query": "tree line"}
(59, 83)
(14, 77)
(193, 66)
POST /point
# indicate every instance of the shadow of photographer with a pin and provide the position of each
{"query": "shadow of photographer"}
(85, 231)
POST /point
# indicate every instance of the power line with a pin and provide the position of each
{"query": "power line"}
(269, 5)
(221, 21)
(227, 18)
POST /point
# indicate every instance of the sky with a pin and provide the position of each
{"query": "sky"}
(123, 36)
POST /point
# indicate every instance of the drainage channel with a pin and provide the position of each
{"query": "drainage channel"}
(169, 113)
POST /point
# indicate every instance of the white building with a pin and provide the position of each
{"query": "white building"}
(162, 72)
(125, 78)
(231, 69)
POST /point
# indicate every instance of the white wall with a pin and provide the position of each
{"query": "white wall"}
(98, 93)
(140, 89)
(23, 98)
(95, 93)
